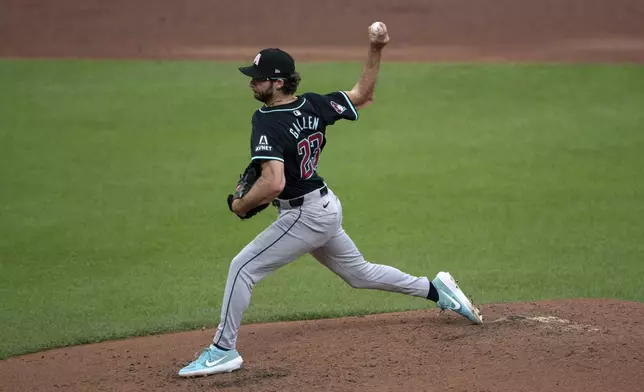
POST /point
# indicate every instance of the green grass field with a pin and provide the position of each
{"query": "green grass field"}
(526, 182)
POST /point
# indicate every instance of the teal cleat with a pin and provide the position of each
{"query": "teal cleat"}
(452, 298)
(213, 360)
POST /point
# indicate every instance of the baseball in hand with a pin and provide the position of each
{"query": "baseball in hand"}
(378, 33)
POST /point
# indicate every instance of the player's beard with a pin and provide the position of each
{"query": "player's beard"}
(265, 95)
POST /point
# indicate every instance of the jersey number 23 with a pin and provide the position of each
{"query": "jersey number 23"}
(309, 151)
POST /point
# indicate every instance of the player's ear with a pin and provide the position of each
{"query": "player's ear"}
(279, 84)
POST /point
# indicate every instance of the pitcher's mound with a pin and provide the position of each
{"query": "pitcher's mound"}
(572, 345)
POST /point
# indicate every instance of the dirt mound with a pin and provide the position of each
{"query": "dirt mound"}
(454, 30)
(572, 345)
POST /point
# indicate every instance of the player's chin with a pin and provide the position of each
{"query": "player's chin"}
(260, 96)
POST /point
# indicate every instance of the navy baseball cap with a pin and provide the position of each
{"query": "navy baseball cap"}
(270, 63)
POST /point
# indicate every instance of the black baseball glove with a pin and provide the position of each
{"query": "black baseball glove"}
(246, 180)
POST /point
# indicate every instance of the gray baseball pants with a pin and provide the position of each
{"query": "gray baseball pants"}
(314, 227)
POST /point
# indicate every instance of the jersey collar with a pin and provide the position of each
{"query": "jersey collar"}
(285, 107)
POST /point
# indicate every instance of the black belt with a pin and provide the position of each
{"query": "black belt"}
(298, 201)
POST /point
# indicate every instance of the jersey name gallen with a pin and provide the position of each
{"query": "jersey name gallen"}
(302, 123)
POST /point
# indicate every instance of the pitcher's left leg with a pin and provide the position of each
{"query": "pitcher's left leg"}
(276, 246)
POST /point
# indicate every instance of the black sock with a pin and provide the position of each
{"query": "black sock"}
(221, 348)
(433, 293)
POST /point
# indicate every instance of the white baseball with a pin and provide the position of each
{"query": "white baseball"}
(376, 29)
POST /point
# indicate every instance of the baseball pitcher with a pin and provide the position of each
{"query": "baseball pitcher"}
(287, 139)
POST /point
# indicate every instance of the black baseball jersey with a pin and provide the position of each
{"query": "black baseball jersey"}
(295, 134)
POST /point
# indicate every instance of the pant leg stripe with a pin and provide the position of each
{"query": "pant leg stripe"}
(232, 290)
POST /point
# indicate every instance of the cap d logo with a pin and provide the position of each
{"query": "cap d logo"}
(256, 61)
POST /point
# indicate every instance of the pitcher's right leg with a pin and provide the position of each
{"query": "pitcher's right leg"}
(342, 257)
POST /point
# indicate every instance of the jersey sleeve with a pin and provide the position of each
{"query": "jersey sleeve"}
(264, 142)
(335, 106)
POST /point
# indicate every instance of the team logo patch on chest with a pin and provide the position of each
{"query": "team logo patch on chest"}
(338, 108)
